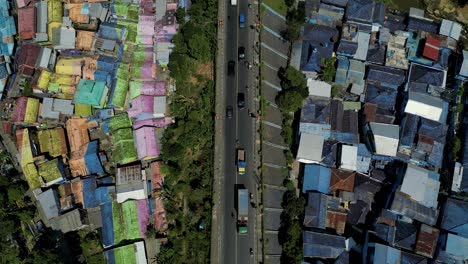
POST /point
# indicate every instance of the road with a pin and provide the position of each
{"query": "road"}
(240, 127)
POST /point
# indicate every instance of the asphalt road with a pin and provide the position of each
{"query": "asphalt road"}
(239, 132)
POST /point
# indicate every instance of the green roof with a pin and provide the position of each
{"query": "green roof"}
(119, 121)
(91, 93)
(49, 171)
(122, 139)
(125, 220)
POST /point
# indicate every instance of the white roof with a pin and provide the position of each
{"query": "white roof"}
(363, 46)
(386, 138)
(416, 12)
(422, 185)
(140, 253)
(159, 106)
(349, 157)
(310, 148)
(386, 254)
(464, 67)
(450, 29)
(426, 106)
(457, 177)
(134, 191)
(318, 88)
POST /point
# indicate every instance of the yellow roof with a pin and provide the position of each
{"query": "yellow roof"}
(63, 79)
(54, 11)
(69, 66)
(31, 175)
(50, 28)
(83, 110)
(32, 109)
(44, 80)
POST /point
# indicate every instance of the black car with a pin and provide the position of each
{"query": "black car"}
(231, 68)
(229, 112)
(241, 100)
(241, 53)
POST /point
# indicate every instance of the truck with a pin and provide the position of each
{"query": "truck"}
(241, 163)
(241, 20)
(242, 210)
(233, 2)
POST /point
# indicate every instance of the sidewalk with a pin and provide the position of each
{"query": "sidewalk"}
(218, 180)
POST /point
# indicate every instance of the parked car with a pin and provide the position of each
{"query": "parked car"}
(241, 20)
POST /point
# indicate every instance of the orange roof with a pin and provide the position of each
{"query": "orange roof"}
(342, 180)
(160, 222)
(75, 13)
(77, 189)
(157, 176)
(336, 220)
(78, 167)
(84, 40)
(77, 132)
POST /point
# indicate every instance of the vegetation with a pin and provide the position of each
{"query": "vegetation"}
(328, 69)
(18, 244)
(290, 234)
(295, 90)
(277, 5)
(456, 147)
(295, 18)
(187, 146)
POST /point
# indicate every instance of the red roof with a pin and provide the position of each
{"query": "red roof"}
(431, 49)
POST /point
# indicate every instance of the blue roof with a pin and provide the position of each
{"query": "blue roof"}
(347, 48)
(89, 196)
(316, 178)
(360, 10)
(322, 245)
(92, 160)
(342, 71)
(107, 225)
(316, 210)
(455, 217)
(340, 3)
(415, 24)
(426, 75)
(409, 129)
(384, 98)
(386, 76)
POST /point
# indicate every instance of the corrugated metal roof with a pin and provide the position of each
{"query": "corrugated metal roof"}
(415, 24)
(322, 245)
(450, 29)
(431, 48)
(315, 211)
(316, 178)
(49, 203)
(360, 10)
(427, 241)
(402, 204)
(342, 180)
(455, 218)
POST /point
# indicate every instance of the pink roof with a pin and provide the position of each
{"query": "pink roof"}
(146, 142)
(27, 22)
(19, 110)
(147, 70)
(22, 3)
(153, 122)
(153, 88)
(146, 25)
(143, 215)
(172, 6)
(141, 104)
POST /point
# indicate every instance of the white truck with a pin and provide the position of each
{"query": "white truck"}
(233, 2)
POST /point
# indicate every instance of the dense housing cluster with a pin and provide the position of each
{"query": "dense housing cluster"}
(83, 107)
(379, 154)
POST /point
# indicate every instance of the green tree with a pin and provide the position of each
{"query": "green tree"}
(199, 47)
(16, 193)
(289, 101)
(328, 69)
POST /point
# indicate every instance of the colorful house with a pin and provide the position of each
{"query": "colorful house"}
(25, 110)
(53, 141)
(85, 161)
(146, 143)
(92, 93)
